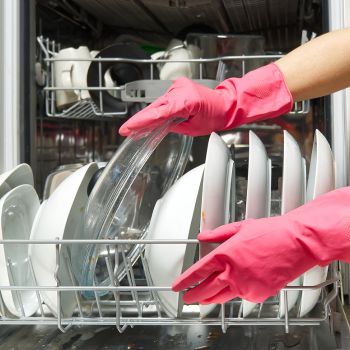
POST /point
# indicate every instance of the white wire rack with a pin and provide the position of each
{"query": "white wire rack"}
(133, 300)
(144, 91)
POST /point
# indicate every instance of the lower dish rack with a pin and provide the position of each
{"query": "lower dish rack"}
(132, 300)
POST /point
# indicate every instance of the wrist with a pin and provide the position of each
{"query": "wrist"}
(259, 95)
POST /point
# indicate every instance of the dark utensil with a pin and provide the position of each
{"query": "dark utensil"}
(121, 72)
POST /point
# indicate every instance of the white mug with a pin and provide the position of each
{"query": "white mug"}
(173, 70)
(79, 72)
(63, 78)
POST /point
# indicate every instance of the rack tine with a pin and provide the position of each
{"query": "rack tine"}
(240, 311)
(149, 281)
(58, 292)
(223, 324)
(17, 292)
(68, 264)
(152, 71)
(131, 280)
(260, 309)
(97, 299)
(36, 284)
(116, 294)
(116, 259)
(341, 282)
(243, 66)
(134, 284)
(100, 85)
(286, 312)
(231, 310)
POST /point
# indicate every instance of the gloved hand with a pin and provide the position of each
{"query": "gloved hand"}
(258, 95)
(260, 256)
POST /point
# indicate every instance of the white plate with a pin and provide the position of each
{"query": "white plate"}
(175, 216)
(60, 217)
(215, 209)
(18, 208)
(292, 197)
(20, 175)
(258, 191)
(321, 180)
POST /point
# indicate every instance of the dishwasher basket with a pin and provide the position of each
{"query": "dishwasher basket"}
(133, 299)
(140, 91)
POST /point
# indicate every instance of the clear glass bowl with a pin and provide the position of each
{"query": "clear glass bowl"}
(122, 200)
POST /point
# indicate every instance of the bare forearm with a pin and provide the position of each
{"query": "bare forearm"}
(318, 67)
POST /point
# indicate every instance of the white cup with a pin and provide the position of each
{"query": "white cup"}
(79, 72)
(71, 74)
(173, 70)
(63, 78)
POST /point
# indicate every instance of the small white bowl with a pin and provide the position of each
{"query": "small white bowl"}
(20, 175)
(18, 209)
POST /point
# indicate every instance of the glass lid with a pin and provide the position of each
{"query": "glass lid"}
(122, 201)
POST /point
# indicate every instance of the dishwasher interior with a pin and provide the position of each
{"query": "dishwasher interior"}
(129, 311)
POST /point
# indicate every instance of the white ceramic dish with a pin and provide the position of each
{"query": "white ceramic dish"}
(293, 195)
(20, 175)
(321, 180)
(215, 208)
(60, 217)
(18, 209)
(258, 191)
(175, 216)
(216, 188)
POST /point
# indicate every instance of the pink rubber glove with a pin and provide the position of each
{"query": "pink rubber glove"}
(260, 256)
(259, 95)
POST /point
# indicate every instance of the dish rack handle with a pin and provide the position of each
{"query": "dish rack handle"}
(149, 90)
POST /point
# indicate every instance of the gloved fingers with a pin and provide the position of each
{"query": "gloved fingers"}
(206, 289)
(225, 295)
(220, 234)
(198, 272)
(147, 118)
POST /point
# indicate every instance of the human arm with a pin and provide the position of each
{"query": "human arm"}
(319, 67)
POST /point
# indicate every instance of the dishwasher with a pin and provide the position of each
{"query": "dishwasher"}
(113, 292)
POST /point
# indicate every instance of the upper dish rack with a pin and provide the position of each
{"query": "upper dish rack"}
(133, 300)
(138, 91)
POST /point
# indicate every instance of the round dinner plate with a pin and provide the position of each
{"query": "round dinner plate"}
(292, 197)
(60, 218)
(216, 195)
(321, 180)
(215, 209)
(175, 216)
(18, 209)
(258, 191)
